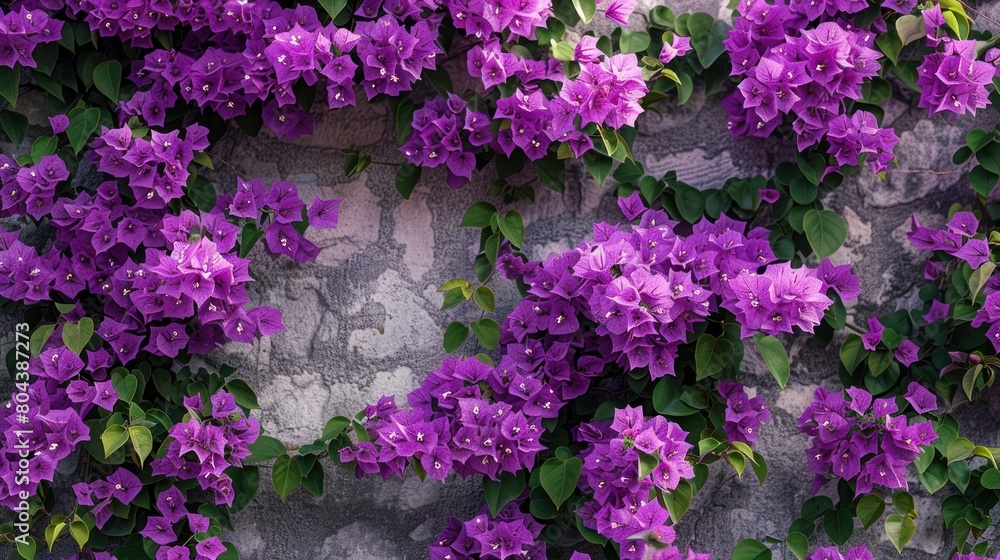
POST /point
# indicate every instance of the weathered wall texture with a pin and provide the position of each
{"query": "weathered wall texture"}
(363, 321)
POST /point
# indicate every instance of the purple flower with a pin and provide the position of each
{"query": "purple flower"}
(210, 548)
(59, 123)
(922, 400)
(678, 46)
(907, 352)
(170, 503)
(938, 311)
(105, 395)
(631, 206)
(974, 251)
(324, 213)
(873, 337)
(159, 530)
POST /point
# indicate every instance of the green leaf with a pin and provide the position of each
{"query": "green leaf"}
(108, 78)
(313, 482)
(852, 352)
(839, 524)
(43, 146)
(248, 238)
(559, 477)
(201, 191)
(690, 202)
(334, 427)
(750, 549)
(633, 41)
(487, 331)
(27, 548)
(264, 449)
(678, 500)
(500, 492)
(586, 10)
(983, 181)
(902, 502)
(82, 123)
(775, 356)
(647, 463)
(454, 336)
(39, 338)
(114, 437)
(900, 530)
(910, 28)
(333, 7)
(870, 509)
(685, 87)
(598, 166)
(989, 157)
(10, 83)
(759, 467)
(243, 394)
(512, 227)
(142, 441)
(878, 361)
(286, 475)
(551, 173)
(712, 355)
(483, 296)
(991, 479)
(76, 335)
(959, 449)
(798, 544)
(15, 126)
(935, 476)
(979, 278)
(478, 215)
(825, 230)
(707, 35)
(407, 177)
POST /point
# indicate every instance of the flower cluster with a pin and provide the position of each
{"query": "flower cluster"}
(52, 427)
(832, 553)
(953, 80)
(511, 534)
(447, 132)
(961, 239)
(607, 92)
(859, 440)
(620, 506)
(647, 288)
(812, 74)
(850, 137)
(203, 447)
(486, 19)
(22, 31)
(393, 56)
(744, 414)
(451, 427)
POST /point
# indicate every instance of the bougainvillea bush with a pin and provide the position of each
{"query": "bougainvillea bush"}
(597, 404)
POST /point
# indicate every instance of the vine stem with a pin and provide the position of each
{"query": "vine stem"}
(855, 328)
